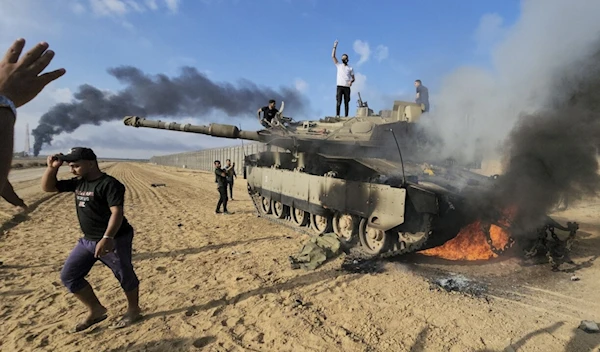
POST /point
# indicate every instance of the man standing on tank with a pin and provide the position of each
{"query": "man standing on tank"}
(221, 180)
(345, 78)
(422, 96)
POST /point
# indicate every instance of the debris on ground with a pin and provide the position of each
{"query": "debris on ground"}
(316, 252)
(359, 265)
(459, 283)
(574, 278)
(158, 185)
(589, 326)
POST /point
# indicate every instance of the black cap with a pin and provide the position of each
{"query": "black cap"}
(78, 153)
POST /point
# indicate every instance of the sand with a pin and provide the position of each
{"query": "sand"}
(223, 283)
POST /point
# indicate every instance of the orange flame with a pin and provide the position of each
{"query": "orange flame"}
(471, 243)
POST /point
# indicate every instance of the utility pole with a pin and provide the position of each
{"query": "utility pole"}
(27, 149)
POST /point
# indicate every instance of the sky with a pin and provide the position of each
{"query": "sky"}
(274, 44)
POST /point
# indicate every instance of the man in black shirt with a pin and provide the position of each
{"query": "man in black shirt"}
(221, 180)
(269, 113)
(107, 235)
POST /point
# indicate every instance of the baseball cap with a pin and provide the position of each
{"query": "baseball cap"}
(78, 153)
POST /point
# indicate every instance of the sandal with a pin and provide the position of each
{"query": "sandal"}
(86, 324)
(125, 321)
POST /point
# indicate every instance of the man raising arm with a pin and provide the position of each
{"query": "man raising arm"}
(345, 78)
(107, 235)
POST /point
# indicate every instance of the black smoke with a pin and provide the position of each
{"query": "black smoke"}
(553, 152)
(189, 94)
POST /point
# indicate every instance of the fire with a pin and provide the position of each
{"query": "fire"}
(471, 242)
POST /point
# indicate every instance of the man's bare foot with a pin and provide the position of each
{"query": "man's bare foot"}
(132, 316)
(93, 318)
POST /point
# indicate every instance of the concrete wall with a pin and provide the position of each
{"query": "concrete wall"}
(203, 159)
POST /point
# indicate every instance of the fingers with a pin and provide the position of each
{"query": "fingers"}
(34, 54)
(51, 76)
(13, 53)
(39, 65)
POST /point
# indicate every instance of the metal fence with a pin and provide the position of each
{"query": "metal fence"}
(203, 159)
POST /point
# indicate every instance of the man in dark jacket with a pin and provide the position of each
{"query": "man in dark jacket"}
(230, 170)
(221, 180)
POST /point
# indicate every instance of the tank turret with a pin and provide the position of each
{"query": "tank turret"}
(364, 135)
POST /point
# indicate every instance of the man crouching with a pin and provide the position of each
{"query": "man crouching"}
(107, 235)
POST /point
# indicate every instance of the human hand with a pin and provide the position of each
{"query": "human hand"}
(19, 79)
(104, 246)
(53, 161)
(335, 43)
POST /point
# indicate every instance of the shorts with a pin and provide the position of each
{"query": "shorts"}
(81, 260)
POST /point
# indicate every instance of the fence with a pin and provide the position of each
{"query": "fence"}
(203, 159)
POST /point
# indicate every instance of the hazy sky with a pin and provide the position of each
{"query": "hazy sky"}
(275, 44)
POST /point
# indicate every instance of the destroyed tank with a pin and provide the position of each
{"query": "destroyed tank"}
(360, 177)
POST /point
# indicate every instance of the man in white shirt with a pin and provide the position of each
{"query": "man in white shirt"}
(345, 78)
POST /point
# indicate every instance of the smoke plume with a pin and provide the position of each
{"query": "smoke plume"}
(540, 109)
(189, 94)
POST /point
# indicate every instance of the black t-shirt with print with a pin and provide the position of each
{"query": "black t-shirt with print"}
(93, 200)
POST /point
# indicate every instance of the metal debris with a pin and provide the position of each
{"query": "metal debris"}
(557, 250)
(589, 326)
(459, 283)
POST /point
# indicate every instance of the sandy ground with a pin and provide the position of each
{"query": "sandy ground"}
(224, 283)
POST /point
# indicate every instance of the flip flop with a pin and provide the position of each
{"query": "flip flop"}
(85, 325)
(125, 322)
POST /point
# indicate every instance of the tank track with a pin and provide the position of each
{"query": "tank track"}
(355, 252)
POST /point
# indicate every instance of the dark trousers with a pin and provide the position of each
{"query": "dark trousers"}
(222, 198)
(81, 260)
(342, 92)
(230, 186)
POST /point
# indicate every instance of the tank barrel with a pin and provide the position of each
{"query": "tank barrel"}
(214, 129)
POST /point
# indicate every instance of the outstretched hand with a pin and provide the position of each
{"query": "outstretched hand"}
(20, 79)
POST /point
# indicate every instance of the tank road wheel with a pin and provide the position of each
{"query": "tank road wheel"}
(345, 227)
(265, 205)
(299, 217)
(278, 209)
(416, 239)
(320, 224)
(373, 241)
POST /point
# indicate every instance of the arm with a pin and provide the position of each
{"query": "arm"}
(352, 75)
(114, 192)
(7, 135)
(115, 221)
(335, 61)
(49, 181)
(8, 193)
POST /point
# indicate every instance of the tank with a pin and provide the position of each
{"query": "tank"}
(362, 177)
